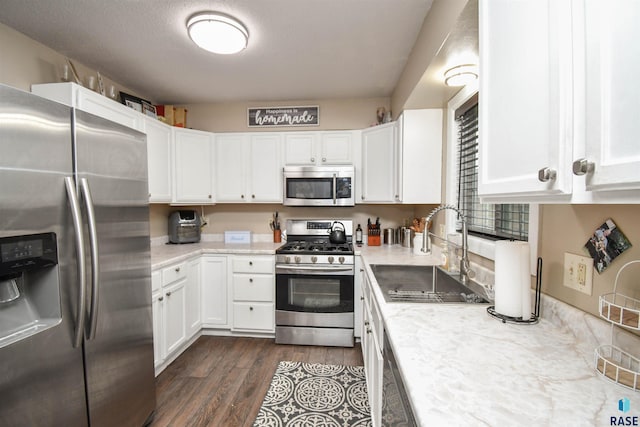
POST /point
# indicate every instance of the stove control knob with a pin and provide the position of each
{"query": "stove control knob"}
(297, 259)
(341, 259)
(314, 259)
(287, 259)
(330, 259)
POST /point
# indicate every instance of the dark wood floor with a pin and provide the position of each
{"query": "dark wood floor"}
(221, 381)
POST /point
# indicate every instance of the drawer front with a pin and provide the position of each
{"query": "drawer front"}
(253, 287)
(254, 264)
(156, 280)
(173, 273)
(254, 316)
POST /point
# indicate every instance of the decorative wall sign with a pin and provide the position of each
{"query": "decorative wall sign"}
(283, 116)
(606, 244)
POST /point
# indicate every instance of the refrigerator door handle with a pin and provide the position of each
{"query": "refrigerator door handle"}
(93, 245)
(82, 285)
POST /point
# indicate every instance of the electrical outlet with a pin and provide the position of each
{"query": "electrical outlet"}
(578, 273)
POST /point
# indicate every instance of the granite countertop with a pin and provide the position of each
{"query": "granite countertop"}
(463, 367)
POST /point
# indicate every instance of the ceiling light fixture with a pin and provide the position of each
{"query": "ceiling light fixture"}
(461, 75)
(218, 33)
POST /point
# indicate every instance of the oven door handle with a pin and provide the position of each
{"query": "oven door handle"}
(311, 269)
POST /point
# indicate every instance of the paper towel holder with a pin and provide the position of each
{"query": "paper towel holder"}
(535, 316)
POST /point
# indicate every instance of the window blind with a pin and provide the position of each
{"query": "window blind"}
(494, 221)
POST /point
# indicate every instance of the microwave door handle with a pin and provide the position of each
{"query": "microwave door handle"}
(76, 216)
(335, 189)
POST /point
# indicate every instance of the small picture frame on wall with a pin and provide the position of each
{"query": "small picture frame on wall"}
(606, 243)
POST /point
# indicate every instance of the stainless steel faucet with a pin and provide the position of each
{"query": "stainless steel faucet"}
(465, 269)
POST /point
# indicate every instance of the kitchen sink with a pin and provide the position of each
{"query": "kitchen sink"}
(425, 284)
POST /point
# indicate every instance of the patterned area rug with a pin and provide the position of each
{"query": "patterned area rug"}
(313, 394)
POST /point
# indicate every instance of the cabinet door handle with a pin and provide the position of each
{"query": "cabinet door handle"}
(250, 262)
(210, 196)
(368, 330)
(168, 294)
(253, 196)
(177, 269)
(242, 196)
(313, 159)
(366, 323)
(361, 298)
(547, 174)
(161, 299)
(250, 308)
(583, 167)
(324, 159)
(250, 280)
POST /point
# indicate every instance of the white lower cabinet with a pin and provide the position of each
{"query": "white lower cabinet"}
(371, 341)
(214, 301)
(253, 287)
(169, 296)
(193, 312)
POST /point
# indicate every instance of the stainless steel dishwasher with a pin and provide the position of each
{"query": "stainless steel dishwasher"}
(396, 407)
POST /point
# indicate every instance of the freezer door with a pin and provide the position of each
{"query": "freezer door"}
(112, 173)
(41, 376)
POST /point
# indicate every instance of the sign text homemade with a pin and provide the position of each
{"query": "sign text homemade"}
(283, 116)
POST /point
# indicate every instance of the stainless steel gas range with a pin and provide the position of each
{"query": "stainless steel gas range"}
(315, 285)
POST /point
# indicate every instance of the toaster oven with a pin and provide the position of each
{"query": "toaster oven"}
(184, 227)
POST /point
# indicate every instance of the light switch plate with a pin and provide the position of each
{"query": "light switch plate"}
(578, 273)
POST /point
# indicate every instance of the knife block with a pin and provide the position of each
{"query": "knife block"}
(373, 239)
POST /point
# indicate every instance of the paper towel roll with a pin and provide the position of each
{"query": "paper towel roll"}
(512, 276)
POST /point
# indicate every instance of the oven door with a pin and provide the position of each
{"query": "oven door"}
(317, 297)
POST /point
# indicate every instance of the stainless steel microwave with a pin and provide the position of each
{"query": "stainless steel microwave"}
(319, 186)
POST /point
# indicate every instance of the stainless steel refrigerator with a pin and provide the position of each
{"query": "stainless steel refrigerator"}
(76, 341)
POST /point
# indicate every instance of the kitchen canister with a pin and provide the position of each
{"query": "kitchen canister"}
(513, 279)
(389, 236)
(406, 237)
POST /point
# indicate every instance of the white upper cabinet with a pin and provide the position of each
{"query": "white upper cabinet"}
(613, 94)
(420, 161)
(193, 160)
(248, 168)
(84, 99)
(402, 161)
(160, 167)
(379, 171)
(558, 99)
(318, 148)
(526, 117)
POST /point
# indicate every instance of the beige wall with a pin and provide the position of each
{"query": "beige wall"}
(335, 114)
(255, 217)
(566, 228)
(25, 62)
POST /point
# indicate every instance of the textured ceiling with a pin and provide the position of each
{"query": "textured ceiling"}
(298, 49)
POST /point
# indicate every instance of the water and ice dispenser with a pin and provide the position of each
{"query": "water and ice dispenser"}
(29, 286)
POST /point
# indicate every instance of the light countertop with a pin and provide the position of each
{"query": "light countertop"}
(463, 367)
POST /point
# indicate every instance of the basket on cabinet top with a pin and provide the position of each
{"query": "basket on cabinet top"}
(612, 362)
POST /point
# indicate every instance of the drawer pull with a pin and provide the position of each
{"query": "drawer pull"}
(366, 323)
(250, 262)
(250, 280)
(250, 308)
(177, 269)
(168, 294)
(368, 330)
(161, 299)
(361, 298)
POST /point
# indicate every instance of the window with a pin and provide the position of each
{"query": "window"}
(492, 221)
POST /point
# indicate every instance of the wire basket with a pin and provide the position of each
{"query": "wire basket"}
(612, 362)
(618, 366)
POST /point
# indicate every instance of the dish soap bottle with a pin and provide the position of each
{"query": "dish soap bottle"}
(359, 235)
